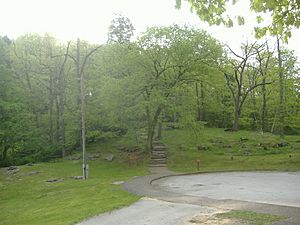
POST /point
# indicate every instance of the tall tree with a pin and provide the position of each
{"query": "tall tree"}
(236, 79)
(120, 30)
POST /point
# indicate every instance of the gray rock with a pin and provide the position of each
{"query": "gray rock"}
(118, 182)
(227, 146)
(109, 157)
(33, 173)
(77, 177)
(13, 169)
(55, 180)
(74, 158)
(283, 144)
(202, 148)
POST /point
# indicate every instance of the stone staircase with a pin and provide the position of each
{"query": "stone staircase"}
(158, 155)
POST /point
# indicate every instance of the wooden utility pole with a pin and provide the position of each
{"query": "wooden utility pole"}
(80, 73)
(281, 90)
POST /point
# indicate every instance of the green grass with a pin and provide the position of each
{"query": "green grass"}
(30, 200)
(252, 218)
(256, 153)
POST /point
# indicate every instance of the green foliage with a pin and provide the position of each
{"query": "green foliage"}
(120, 30)
(130, 88)
(285, 14)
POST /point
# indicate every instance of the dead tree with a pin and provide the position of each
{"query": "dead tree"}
(244, 65)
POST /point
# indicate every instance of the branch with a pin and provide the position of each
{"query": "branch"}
(229, 86)
(251, 89)
(234, 52)
(87, 56)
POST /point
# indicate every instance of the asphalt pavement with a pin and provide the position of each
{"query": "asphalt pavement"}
(173, 199)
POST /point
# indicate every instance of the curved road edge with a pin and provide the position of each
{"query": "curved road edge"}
(143, 186)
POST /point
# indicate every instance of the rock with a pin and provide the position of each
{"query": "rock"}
(74, 157)
(109, 157)
(244, 139)
(215, 141)
(55, 180)
(77, 177)
(29, 164)
(13, 169)
(33, 173)
(229, 129)
(202, 148)
(227, 146)
(282, 144)
(118, 182)
(247, 152)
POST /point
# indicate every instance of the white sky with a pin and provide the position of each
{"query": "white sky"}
(89, 19)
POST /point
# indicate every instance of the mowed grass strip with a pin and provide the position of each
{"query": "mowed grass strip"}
(252, 218)
(224, 151)
(28, 199)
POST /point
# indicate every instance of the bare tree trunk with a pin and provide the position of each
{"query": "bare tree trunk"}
(264, 106)
(51, 104)
(281, 90)
(200, 102)
(236, 118)
(152, 122)
(159, 129)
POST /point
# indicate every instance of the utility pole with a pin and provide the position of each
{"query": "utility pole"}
(80, 74)
(80, 65)
(281, 89)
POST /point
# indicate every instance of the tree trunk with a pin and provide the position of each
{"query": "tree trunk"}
(264, 106)
(281, 90)
(51, 103)
(151, 126)
(200, 102)
(159, 128)
(4, 152)
(235, 126)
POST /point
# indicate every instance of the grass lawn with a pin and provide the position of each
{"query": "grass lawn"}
(28, 199)
(224, 151)
(251, 217)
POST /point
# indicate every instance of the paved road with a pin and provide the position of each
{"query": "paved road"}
(150, 212)
(277, 188)
(173, 199)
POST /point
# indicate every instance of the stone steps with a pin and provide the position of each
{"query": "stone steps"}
(158, 155)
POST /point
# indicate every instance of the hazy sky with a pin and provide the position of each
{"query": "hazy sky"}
(89, 19)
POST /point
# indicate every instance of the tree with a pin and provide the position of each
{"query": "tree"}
(285, 14)
(170, 57)
(242, 68)
(120, 30)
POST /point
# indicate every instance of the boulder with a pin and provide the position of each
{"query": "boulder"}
(13, 169)
(202, 148)
(109, 157)
(55, 180)
(77, 177)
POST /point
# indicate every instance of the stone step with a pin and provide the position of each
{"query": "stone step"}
(159, 148)
(160, 151)
(158, 165)
(158, 162)
(158, 157)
